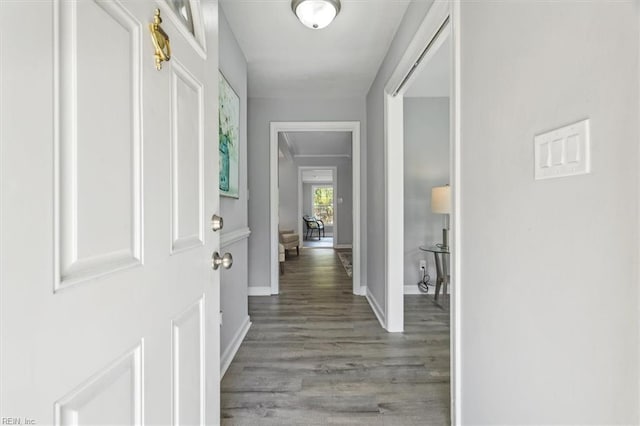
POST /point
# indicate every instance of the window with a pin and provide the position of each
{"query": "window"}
(323, 203)
(183, 9)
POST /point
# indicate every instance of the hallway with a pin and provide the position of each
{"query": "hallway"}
(316, 355)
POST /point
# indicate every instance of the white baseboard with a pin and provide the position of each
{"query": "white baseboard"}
(260, 291)
(230, 352)
(362, 291)
(375, 306)
(413, 289)
(342, 246)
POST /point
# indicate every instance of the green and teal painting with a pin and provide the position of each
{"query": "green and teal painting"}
(229, 137)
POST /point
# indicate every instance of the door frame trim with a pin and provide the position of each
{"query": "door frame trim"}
(427, 32)
(427, 41)
(314, 126)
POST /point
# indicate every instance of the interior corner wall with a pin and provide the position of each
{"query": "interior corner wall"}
(426, 164)
(307, 199)
(263, 111)
(234, 282)
(375, 207)
(549, 292)
(287, 195)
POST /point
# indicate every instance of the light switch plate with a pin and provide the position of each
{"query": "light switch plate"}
(563, 152)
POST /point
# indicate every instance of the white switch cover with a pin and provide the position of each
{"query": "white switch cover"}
(563, 152)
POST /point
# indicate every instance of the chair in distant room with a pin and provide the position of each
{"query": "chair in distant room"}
(281, 258)
(312, 224)
(289, 240)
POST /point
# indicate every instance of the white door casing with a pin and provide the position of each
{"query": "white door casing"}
(428, 39)
(109, 307)
(313, 126)
(442, 21)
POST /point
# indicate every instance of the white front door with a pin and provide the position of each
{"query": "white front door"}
(109, 173)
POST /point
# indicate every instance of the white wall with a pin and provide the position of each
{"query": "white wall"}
(262, 112)
(426, 164)
(549, 268)
(234, 282)
(307, 198)
(287, 195)
(549, 290)
(375, 207)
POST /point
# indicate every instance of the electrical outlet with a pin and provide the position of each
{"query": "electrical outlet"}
(423, 265)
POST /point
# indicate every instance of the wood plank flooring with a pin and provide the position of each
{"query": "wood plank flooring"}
(324, 242)
(316, 355)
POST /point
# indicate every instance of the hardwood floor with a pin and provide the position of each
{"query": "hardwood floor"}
(325, 242)
(316, 355)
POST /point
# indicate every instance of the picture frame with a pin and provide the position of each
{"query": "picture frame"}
(228, 138)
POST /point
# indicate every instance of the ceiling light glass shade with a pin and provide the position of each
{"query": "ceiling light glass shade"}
(316, 14)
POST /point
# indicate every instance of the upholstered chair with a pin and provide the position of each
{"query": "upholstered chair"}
(290, 240)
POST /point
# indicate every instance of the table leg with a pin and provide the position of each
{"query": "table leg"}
(445, 275)
(439, 279)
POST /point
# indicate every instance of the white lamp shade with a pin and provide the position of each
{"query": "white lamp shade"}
(316, 14)
(441, 199)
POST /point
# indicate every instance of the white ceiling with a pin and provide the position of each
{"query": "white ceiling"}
(315, 144)
(432, 78)
(287, 59)
(320, 175)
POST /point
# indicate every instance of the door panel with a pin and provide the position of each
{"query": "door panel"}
(113, 396)
(108, 305)
(98, 165)
(188, 366)
(187, 159)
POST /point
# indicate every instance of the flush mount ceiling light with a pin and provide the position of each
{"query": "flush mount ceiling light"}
(315, 14)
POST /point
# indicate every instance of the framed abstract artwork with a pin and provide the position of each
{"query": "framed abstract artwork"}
(228, 137)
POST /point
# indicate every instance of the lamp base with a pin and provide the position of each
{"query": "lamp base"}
(445, 239)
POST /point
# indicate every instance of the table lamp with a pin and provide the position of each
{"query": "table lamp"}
(441, 204)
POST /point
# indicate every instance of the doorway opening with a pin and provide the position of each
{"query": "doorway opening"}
(330, 151)
(318, 198)
(427, 147)
(422, 119)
